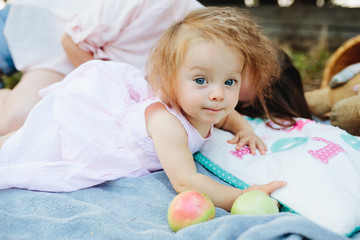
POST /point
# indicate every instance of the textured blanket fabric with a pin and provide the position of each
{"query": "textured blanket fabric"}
(135, 208)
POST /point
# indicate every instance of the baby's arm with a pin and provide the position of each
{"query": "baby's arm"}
(244, 133)
(171, 145)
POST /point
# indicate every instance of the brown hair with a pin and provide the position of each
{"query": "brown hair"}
(287, 99)
(230, 25)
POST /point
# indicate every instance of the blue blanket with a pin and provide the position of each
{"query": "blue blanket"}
(135, 208)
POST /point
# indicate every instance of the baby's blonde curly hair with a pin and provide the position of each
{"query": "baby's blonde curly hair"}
(230, 25)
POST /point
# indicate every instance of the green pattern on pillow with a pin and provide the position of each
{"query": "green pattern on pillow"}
(229, 178)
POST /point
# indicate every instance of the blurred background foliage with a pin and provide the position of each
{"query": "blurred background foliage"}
(310, 63)
(11, 81)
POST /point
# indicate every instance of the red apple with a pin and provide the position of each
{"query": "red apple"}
(188, 208)
(254, 202)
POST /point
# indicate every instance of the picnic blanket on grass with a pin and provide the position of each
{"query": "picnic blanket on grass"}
(135, 208)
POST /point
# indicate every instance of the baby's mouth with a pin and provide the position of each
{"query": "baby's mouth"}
(213, 109)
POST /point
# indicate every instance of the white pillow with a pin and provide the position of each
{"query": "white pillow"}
(320, 163)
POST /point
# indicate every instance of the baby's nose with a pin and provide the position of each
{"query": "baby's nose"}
(217, 93)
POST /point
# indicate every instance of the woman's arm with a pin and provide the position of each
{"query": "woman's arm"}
(76, 55)
(171, 144)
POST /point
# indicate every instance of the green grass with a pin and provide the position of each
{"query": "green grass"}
(11, 81)
(310, 63)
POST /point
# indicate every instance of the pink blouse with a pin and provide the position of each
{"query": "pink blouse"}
(110, 29)
(126, 30)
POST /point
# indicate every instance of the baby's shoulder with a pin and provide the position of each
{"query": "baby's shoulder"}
(158, 118)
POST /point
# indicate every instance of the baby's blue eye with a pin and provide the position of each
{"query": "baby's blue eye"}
(230, 82)
(200, 81)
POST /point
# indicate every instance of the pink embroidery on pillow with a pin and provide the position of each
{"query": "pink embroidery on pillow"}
(326, 153)
(241, 152)
(299, 125)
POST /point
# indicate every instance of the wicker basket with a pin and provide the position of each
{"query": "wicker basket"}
(348, 53)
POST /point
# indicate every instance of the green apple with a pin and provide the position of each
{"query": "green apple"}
(254, 203)
(188, 208)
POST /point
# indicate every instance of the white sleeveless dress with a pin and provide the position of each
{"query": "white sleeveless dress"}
(86, 130)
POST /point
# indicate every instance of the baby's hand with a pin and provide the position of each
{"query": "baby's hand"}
(248, 137)
(267, 188)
